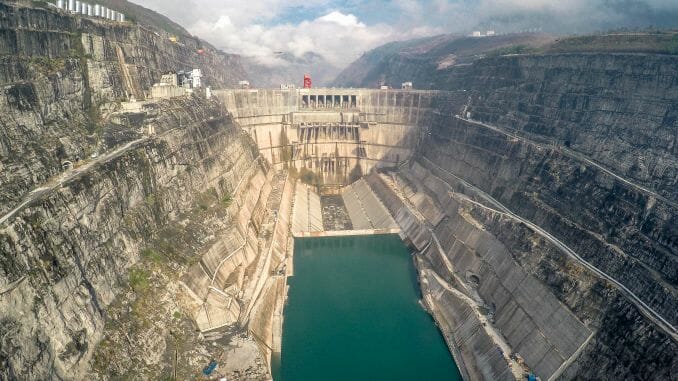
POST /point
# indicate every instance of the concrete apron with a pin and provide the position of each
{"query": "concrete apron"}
(344, 233)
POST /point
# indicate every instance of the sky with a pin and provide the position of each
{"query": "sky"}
(340, 31)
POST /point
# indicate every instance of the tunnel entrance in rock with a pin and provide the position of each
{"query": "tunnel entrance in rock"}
(473, 279)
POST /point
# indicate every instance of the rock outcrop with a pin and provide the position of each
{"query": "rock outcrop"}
(62, 76)
(66, 253)
(85, 188)
(581, 146)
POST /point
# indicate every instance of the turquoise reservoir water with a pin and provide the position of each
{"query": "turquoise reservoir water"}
(353, 314)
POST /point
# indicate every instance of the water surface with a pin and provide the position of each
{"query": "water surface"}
(353, 314)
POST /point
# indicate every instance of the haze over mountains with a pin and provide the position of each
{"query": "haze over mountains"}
(340, 32)
(289, 69)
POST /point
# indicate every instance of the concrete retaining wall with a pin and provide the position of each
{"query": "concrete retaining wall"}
(300, 212)
(265, 320)
(159, 92)
(355, 210)
(210, 281)
(413, 227)
(346, 233)
(536, 325)
(365, 209)
(307, 214)
(477, 354)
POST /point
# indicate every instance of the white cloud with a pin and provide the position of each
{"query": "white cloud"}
(251, 28)
(340, 38)
(348, 21)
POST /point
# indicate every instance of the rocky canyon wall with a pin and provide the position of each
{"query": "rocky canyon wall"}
(66, 253)
(539, 191)
(619, 110)
(134, 187)
(62, 76)
(576, 166)
(576, 149)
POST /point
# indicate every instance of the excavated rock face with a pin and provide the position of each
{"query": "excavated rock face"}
(65, 256)
(582, 145)
(619, 110)
(66, 248)
(61, 77)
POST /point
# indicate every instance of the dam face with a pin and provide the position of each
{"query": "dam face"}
(338, 134)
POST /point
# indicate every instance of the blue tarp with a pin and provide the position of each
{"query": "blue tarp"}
(210, 368)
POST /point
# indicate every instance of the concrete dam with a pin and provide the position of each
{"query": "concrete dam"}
(337, 133)
(154, 238)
